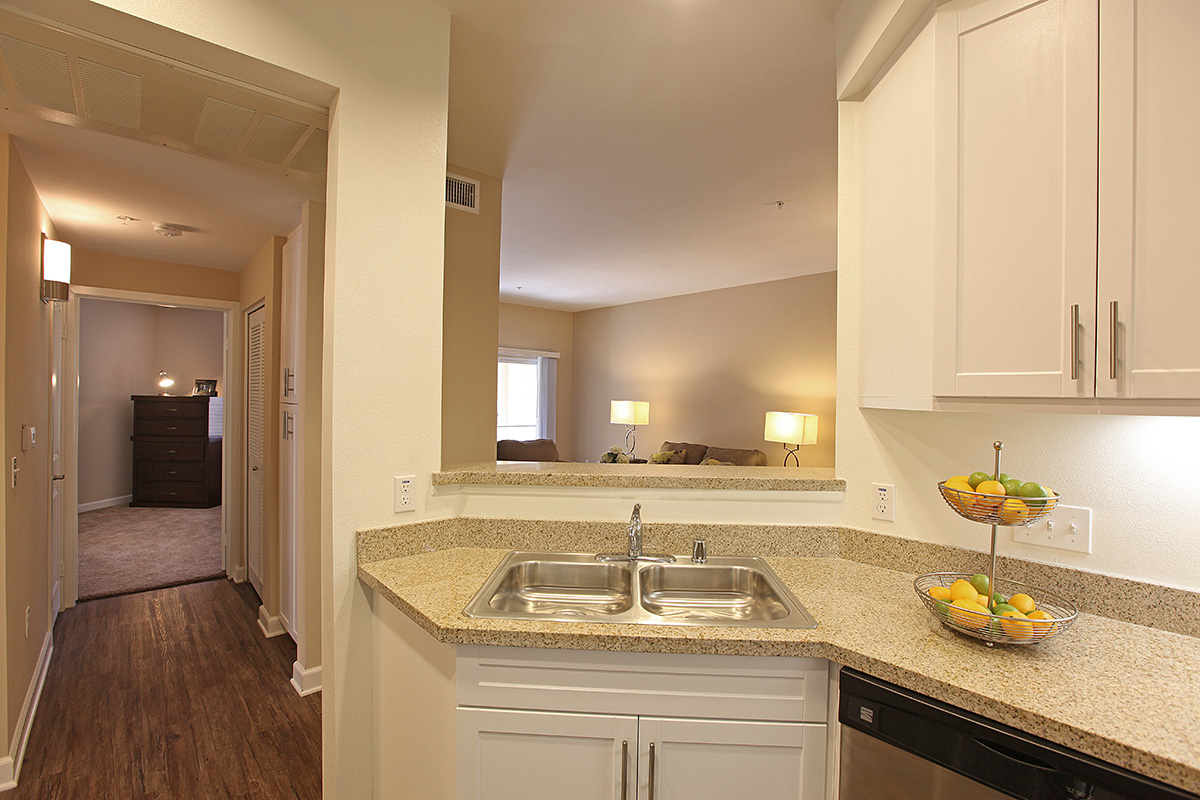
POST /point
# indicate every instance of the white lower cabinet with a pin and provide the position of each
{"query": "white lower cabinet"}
(683, 727)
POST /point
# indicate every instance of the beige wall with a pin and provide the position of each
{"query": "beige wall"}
(262, 283)
(469, 324)
(122, 347)
(91, 268)
(711, 364)
(26, 402)
(530, 328)
(1137, 473)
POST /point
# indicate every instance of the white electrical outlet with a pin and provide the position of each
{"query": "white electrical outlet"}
(1067, 528)
(404, 493)
(885, 502)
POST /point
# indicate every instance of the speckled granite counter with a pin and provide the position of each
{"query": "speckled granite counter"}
(640, 476)
(1122, 692)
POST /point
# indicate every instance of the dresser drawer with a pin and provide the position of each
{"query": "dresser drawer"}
(168, 471)
(168, 451)
(170, 409)
(190, 493)
(194, 428)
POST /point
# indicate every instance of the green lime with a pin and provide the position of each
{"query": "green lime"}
(1012, 487)
(999, 599)
(980, 582)
(976, 478)
(1004, 477)
(1000, 608)
(1029, 489)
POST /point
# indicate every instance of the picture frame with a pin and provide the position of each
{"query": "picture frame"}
(206, 387)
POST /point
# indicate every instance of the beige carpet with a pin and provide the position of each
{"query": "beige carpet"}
(123, 549)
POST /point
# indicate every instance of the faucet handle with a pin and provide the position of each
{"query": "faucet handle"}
(699, 551)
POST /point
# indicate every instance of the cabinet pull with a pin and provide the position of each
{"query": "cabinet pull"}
(1112, 340)
(624, 769)
(1075, 342)
(651, 796)
(287, 425)
(288, 377)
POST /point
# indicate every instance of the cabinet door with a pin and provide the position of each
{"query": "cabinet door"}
(289, 469)
(1016, 179)
(526, 755)
(291, 317)
(688, 759)
(1149, 171)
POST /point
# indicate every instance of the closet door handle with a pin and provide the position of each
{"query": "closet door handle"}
(624, 769)
(1112, 340)
(651, 795)
(1075, 342)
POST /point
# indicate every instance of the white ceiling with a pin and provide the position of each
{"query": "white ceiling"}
(644, 144)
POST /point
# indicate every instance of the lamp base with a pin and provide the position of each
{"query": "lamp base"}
(791, 453)
(630, 441)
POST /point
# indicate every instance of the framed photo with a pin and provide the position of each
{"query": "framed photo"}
(205, 387)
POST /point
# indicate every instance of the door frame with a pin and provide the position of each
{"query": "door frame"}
(232, 531)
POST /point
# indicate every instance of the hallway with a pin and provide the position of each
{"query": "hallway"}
(171, 694)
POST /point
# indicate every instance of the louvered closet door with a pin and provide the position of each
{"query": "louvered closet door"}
(256, 386)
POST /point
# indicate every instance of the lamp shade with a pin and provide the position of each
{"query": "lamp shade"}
(630, 412)
(790, 428)
(56, 261)
(165, 380)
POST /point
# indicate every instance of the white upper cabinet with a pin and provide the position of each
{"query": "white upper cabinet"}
(1148, 338)
(1016, 187)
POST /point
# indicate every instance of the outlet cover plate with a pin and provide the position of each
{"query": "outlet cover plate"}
(884, 502)
(403, 488)
(1067, 528)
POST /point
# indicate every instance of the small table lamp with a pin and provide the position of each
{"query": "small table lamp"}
(630, 413)
(793, 430)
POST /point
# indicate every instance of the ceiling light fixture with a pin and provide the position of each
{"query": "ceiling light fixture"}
(126, 219)
(168, 230)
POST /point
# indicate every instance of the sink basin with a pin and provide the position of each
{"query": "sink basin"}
(574, 587)
(710, 592)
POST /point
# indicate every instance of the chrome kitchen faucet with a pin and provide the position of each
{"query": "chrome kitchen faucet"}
(634, 531)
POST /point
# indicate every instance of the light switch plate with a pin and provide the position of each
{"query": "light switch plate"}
(1067, 528)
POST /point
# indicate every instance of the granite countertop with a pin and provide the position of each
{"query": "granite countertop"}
(640, 476)
(1124, 693)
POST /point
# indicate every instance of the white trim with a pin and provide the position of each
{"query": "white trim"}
(10, 765)
(96, 505)
(516, 352)
(271, 626)
(305, 681)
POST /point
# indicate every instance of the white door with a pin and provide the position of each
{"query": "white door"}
(57, 343)
(256, 387)
(528, 755)
(1017, 148)
(1148, 342)
(288, 467)
(691, 759)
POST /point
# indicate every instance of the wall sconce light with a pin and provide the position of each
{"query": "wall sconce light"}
(794, 430)
(56, 271)
(165, 381)
(630, 413)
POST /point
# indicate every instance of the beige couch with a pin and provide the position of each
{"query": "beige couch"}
(531, 450)
(699, 453)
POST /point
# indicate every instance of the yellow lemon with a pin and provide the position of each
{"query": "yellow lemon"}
(963, 590)
(1013, 511)
(1042, 623)
(940, 592)
(961, 498)
(990, 504)
(969, 614)
(1023, 603)
(1014, 624)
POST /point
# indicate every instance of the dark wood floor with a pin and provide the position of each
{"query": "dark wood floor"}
(172, 693)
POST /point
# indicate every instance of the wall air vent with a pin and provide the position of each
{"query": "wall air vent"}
(462, 193)
(111, 95)
(41, 74)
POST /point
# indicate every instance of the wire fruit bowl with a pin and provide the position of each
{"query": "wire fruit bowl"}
(994, 509)
(993, 628)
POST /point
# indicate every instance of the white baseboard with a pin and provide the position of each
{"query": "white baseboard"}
(305, 681)
(10, 765)
(237, 574)
(123, 500)
(271, 626)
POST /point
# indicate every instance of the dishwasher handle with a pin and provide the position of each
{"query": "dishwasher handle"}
(1013, 755)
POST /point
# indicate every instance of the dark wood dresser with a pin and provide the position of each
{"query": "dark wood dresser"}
(177, 451)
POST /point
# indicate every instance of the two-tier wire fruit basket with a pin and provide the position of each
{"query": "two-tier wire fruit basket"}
(997, 510)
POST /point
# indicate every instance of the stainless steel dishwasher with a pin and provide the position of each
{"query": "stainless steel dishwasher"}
(899, 745)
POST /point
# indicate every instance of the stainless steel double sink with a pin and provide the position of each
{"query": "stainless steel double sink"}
(575, 587)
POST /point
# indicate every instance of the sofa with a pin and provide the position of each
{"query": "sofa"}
(531, 450)
(693, 453)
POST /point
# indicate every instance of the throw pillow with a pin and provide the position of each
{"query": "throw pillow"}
(667, 457)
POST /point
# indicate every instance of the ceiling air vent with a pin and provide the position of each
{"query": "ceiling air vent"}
(312, 154)
(41, 74)
(462, 193)
(274, 139)
(111, 95)
(222, 125)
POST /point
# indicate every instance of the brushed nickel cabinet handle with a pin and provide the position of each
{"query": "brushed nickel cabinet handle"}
(1075, 342)
(651, 796)
(624, 769)
(1112, 340)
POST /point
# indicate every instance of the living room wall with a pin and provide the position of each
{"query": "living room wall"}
(711, 365)
(531, 328)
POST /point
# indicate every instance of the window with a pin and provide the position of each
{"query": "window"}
(525, 394)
